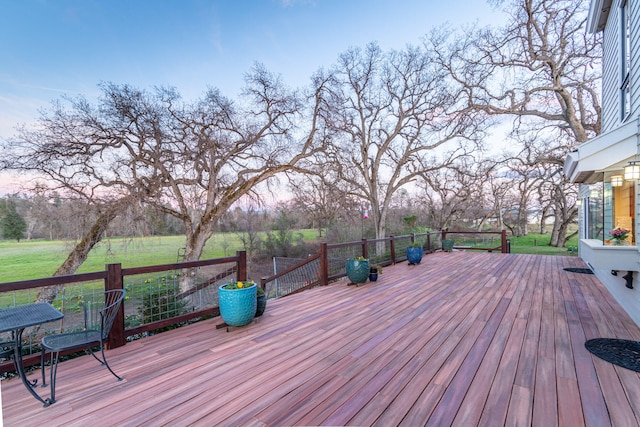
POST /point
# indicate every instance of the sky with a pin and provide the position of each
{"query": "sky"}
(52, 48)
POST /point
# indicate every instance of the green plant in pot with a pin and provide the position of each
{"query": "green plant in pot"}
(358, 269)
(374, 271)
(238, 302)
(447, 245)
(261, 301)
(414, 253)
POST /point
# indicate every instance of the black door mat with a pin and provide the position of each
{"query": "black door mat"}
(623, 353)
(578, 270)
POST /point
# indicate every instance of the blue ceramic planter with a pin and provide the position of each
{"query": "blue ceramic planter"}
(414, 254)
(237, 306)
(358, 270)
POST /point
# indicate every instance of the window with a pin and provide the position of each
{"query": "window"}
(625, 60)
(623, 209)
(594, 212)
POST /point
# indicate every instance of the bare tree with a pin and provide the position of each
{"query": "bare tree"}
(222, 152)
(319, 196)
(541, 69)
(191, 161)
(457, 195)
(65, 161)
(391, 117)
(247, 226)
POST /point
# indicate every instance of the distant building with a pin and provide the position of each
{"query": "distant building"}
(606, 166)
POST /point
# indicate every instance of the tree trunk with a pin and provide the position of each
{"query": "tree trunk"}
(79, 254)
(559, 234)
(194, 245)
(543, 220)
(563, 216)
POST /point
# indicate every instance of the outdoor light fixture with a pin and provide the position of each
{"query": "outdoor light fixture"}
(616, 180)
(632, 171)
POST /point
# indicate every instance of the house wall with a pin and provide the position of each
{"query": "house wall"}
(610, 70)
(634, 10)
(611, 77)
(611, 263)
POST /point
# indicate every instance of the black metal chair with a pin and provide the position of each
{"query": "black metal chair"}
(98, 319)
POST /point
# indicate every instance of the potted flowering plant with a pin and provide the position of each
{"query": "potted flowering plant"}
(358, 269)
(619, 235)
(238, 302)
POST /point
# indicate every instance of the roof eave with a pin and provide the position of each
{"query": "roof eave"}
(598, 15)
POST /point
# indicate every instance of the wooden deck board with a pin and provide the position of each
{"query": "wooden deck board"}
(461, 339)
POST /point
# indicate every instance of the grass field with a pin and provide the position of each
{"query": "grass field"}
(539, 244)
(39, 258)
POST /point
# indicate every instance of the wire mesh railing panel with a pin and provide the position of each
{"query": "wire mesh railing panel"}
(472, 240)
(298, 278)
(379, 251)
(337, 257)
(158, 296)
(283, 263)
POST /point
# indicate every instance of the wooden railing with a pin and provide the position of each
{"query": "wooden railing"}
(114, 277)
(329, 264)
(504, 246)
(320, 269)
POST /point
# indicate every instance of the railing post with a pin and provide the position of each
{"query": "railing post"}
(241, 274)
(504, 241)
(324, 265)
(392, 249)
(429, 242)
(365, 250)
(113, 281)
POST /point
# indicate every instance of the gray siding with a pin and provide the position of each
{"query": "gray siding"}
(611, 79)
(635, 57)
(611, 72)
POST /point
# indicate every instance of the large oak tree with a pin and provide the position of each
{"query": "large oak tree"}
(541, 69)
(189, 160)
(391, 117)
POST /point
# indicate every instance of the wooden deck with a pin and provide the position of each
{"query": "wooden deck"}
(462, 339)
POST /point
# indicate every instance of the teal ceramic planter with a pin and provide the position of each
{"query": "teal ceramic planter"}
(238, 306)
(358, 270)
(414, 254)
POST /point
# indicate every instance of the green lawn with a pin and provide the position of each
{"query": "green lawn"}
(539, 244)
(39, 258)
